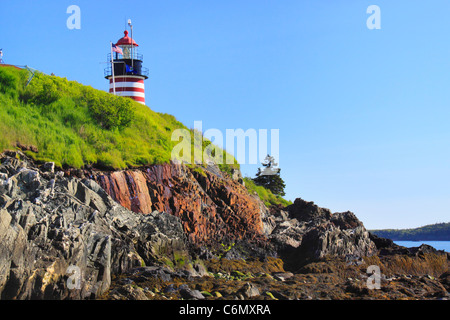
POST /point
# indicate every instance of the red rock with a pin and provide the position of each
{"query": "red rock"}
(207, 205)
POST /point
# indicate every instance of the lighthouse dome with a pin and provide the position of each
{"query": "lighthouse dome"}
(126, 41)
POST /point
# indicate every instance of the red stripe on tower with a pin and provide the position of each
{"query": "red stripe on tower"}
(126, 75)
(111, 90)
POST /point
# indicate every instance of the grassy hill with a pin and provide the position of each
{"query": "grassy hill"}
(75, 125)
(78, 126)
(433, 232)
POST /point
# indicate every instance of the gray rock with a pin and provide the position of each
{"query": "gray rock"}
(283, 276)
(183, 286)
(48, 167)
(236, 175)
(311, 233)
(3, 177)
(199, 270)
(282, 215)
(156, 272)
(130, 292)
(63, 238)
(249, 290)
(305, 211)
(189, 294)
(170, 288)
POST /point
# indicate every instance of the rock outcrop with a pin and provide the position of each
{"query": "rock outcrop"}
(305, 232)
(420, 275)
(65, 234)
(214, 209)
(62, 237)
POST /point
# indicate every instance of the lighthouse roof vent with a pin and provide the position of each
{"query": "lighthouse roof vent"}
(126, 41)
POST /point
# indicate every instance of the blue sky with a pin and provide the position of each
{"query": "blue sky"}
(363, 114)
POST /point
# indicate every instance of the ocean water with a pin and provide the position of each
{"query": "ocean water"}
(439, 245)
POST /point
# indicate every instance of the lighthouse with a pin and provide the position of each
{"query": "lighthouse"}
(125, 73)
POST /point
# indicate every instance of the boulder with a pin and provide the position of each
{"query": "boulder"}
(305, 211)
(311, 233)
(129, 292)
(283, 276)
(189, 294)
(249, 290)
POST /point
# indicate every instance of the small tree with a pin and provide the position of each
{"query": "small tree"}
(269, 177)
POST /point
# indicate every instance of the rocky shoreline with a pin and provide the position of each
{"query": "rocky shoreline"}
(169, 232)
(324, 280)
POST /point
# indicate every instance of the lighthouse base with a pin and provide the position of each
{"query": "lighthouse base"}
(128, 86)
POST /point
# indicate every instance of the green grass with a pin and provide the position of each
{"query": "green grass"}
(75, 125)
(265, 195)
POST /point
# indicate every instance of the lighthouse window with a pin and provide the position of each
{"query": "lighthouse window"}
(126, 52)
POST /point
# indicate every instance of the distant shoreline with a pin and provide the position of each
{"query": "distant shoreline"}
(438, 245)
(432, 232)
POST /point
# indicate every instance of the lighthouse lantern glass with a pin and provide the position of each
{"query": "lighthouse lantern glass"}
(126, 52)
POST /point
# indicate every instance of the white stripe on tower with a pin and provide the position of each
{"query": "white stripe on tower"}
(130, 94)
(129, 86)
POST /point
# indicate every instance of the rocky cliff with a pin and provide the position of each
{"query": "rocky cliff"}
(305, 232)
(212, 209)
(216, 209)
(55, 228)
(68, 234)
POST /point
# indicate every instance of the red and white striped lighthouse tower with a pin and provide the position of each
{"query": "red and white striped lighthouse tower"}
(125, 74)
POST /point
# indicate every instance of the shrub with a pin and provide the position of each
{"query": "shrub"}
(111, 112)
(42, 90)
